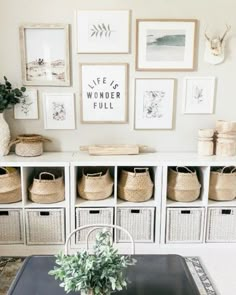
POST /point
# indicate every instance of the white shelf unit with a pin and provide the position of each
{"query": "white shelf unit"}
(202, 205)
(116, 164)
(72, 163)
(28, 168)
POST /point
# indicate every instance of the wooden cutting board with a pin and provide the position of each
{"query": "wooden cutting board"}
(112, 149)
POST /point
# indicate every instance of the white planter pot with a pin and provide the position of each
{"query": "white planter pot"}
(4, 136)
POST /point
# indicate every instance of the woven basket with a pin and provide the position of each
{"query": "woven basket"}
(95, 186)
(10, 186)
(223, 184)
(29, 145)
(135, 186)
(183, 184)
(49, 190)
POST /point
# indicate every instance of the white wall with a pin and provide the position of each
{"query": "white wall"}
(183, 136)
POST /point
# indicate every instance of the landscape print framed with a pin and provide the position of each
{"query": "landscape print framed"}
(59, 110)
(154, 103)
(199, 94)
(164, 44)
(103, 31)
(45, 54)
(104, 92)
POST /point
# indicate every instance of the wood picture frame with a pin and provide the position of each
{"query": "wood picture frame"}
(154, 103)
(104, 92)
(103, 31)
(165, 44)
(45, 54)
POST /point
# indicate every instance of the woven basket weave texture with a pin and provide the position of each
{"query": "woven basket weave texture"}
(136, 185)
(46, 191)
(223, 184)
(10, 186)
(183, 184)
(95, 185)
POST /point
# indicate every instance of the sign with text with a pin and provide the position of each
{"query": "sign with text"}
(104, 93)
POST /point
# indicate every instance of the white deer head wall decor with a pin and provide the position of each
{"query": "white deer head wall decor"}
(214, 52)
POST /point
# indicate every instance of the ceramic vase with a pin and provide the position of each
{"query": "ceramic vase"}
(4, 136)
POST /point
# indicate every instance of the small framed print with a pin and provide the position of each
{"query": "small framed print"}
(165, 44)
(199, 93)
(45, 54)
(104, 93)
(28, 106)
(154, 103)
(59, 111)
(104, 31)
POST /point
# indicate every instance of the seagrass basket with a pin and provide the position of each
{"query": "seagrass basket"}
(95, 184)
(10, 186)
(29, 145)
(47, 188)
(183, 184)
(135, 185)
(223, 184)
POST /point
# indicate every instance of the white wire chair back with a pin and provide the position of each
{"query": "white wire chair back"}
(95, 227)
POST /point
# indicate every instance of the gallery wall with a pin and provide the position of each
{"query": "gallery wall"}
(211, 14)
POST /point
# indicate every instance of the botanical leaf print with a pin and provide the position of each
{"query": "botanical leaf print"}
(101, 30)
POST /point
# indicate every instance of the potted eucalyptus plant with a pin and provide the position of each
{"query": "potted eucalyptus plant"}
(8, 97)
(100, 273)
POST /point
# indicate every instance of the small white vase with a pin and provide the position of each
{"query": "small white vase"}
(4, 136)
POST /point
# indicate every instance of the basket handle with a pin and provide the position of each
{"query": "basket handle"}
(96, 226)
(189, 170)
(46, 173)
(136, 169)
(94, 174)
(222, 170)
(4, 170)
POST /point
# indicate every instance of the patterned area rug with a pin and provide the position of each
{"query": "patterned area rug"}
(10, 266)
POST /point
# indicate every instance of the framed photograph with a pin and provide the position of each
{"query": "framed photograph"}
(164, 44)
(59, 111)
(45, 54)
(104, 93)
(199, 93)
(104, 31)
(28, 106)
(154, 103)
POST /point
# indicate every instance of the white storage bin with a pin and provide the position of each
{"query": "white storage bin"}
(45, 226)
(184, 225)
(86, 216)
(221, 224)
(138, 221)
(11, 229)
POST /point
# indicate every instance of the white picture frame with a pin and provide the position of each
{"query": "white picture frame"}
(104, 93)
(59, 110)
(199, 94)
(154, 100)
(27, 109)
(103, 31)
(45, 57)
(165, 44)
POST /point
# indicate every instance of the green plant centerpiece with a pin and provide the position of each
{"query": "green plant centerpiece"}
(100, 273)
(9, 96)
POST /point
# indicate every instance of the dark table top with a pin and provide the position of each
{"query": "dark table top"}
(152, 275)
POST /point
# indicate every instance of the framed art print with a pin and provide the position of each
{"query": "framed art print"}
(28, 106)
(154, 103)
(104, 93)
(164, 44)
(59, 112)
(103, 31)
(199, 93)
(45, 54)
